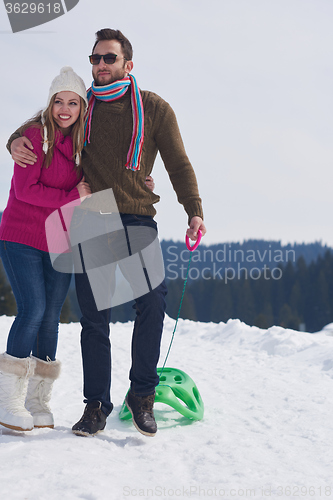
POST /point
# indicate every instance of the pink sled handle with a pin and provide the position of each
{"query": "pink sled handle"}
(196, 244)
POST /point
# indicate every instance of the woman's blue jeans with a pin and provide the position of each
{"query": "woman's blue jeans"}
(40, 292)
(95, 336)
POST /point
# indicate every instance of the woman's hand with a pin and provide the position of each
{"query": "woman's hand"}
(83, 189)
(150, 183)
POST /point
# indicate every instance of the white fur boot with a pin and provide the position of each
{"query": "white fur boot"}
(14, 375)
(39, 392)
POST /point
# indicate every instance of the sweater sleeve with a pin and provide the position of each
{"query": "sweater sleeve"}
(177, 164)
(15, 135)
(27, 185)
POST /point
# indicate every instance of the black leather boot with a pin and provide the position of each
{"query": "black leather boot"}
(92, 421)
(141, 408)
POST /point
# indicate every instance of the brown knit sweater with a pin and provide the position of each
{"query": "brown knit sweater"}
(104, 158)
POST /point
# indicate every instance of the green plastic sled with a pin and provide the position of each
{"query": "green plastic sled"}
(177, 390)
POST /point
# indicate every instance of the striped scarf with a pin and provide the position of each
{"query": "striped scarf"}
(112, 92)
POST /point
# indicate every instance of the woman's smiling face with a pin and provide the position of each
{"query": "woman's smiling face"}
(66, 109)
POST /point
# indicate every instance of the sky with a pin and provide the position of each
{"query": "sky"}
(250, 82)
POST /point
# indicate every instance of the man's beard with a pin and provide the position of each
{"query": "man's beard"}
(118, 76)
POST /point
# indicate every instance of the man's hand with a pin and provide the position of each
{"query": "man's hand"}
(21, 150)
(196, 224)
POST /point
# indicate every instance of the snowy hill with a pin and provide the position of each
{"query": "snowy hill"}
(267, 430)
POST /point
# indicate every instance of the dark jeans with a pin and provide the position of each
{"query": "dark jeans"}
(95, 336)
(40, 292)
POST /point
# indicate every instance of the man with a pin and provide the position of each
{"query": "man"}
(122, 138)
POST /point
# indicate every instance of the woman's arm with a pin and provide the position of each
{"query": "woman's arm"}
(28, 187)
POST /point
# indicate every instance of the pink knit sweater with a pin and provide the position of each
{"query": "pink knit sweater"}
(36, 192)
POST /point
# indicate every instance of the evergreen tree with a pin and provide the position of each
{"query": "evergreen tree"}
(7, 300)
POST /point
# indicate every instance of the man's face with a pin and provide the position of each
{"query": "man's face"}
(104, 74)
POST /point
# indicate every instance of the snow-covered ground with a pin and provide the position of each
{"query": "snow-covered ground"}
(267, 431)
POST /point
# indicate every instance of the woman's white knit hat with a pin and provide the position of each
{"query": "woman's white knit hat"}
(70, 81)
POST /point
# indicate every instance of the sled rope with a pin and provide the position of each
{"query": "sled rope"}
(180, 306)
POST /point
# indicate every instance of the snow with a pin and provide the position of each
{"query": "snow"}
(267, 430)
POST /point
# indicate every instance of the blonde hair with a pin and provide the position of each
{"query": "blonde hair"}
(77, 131)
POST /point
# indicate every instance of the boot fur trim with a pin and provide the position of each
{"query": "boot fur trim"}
(22, 367)
(47, 369)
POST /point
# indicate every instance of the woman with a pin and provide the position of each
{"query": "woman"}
(36, 191)
(52, 181)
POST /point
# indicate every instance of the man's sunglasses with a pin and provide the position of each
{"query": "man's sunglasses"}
(108, 58)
